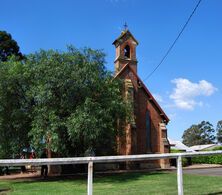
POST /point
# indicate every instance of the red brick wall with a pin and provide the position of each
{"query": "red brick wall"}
(141, 103)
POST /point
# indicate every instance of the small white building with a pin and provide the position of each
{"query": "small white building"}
(204, 147)
(178, 145)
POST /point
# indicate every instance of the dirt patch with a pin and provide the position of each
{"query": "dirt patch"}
(19, 176)
(4, 191)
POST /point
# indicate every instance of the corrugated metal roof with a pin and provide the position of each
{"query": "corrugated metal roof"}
(178, 145)
(203, 147)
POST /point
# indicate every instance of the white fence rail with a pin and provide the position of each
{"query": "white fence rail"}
(109, 159)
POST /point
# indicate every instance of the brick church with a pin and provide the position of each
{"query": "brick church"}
(147, 132)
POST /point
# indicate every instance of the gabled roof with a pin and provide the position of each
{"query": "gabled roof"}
(151, 98)
(123, 34)
(178, 145)
(204, 147)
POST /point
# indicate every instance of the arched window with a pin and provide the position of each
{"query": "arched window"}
(127, 51)
(148, 130)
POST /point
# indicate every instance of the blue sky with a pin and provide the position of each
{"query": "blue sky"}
(187, 85)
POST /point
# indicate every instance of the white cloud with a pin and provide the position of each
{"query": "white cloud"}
(185, 92)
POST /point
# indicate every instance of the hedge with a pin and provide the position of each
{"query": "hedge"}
(215, 159)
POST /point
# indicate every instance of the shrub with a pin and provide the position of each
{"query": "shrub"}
(217, 148)
(173, 161)
(217, 159)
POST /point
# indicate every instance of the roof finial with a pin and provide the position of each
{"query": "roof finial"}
(125, 27)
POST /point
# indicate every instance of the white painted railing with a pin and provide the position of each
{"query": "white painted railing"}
(108, 159)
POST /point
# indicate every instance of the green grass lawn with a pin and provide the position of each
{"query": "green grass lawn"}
(127, 183)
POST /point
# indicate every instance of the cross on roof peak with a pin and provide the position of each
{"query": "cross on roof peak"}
(125, 27)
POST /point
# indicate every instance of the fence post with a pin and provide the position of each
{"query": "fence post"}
(90, 178)
(179, 176)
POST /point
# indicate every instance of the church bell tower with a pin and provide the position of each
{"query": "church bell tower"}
(125, 51)
(125, 46)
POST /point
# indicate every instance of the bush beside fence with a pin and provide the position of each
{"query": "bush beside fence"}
(207, 160)
(185, 161)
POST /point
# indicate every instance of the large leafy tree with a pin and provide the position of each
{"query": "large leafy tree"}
(65, 101)
(8, 47)
(14, 109)
(219, 131)
(202, 133)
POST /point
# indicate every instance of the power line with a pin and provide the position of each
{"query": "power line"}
(171, 47)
